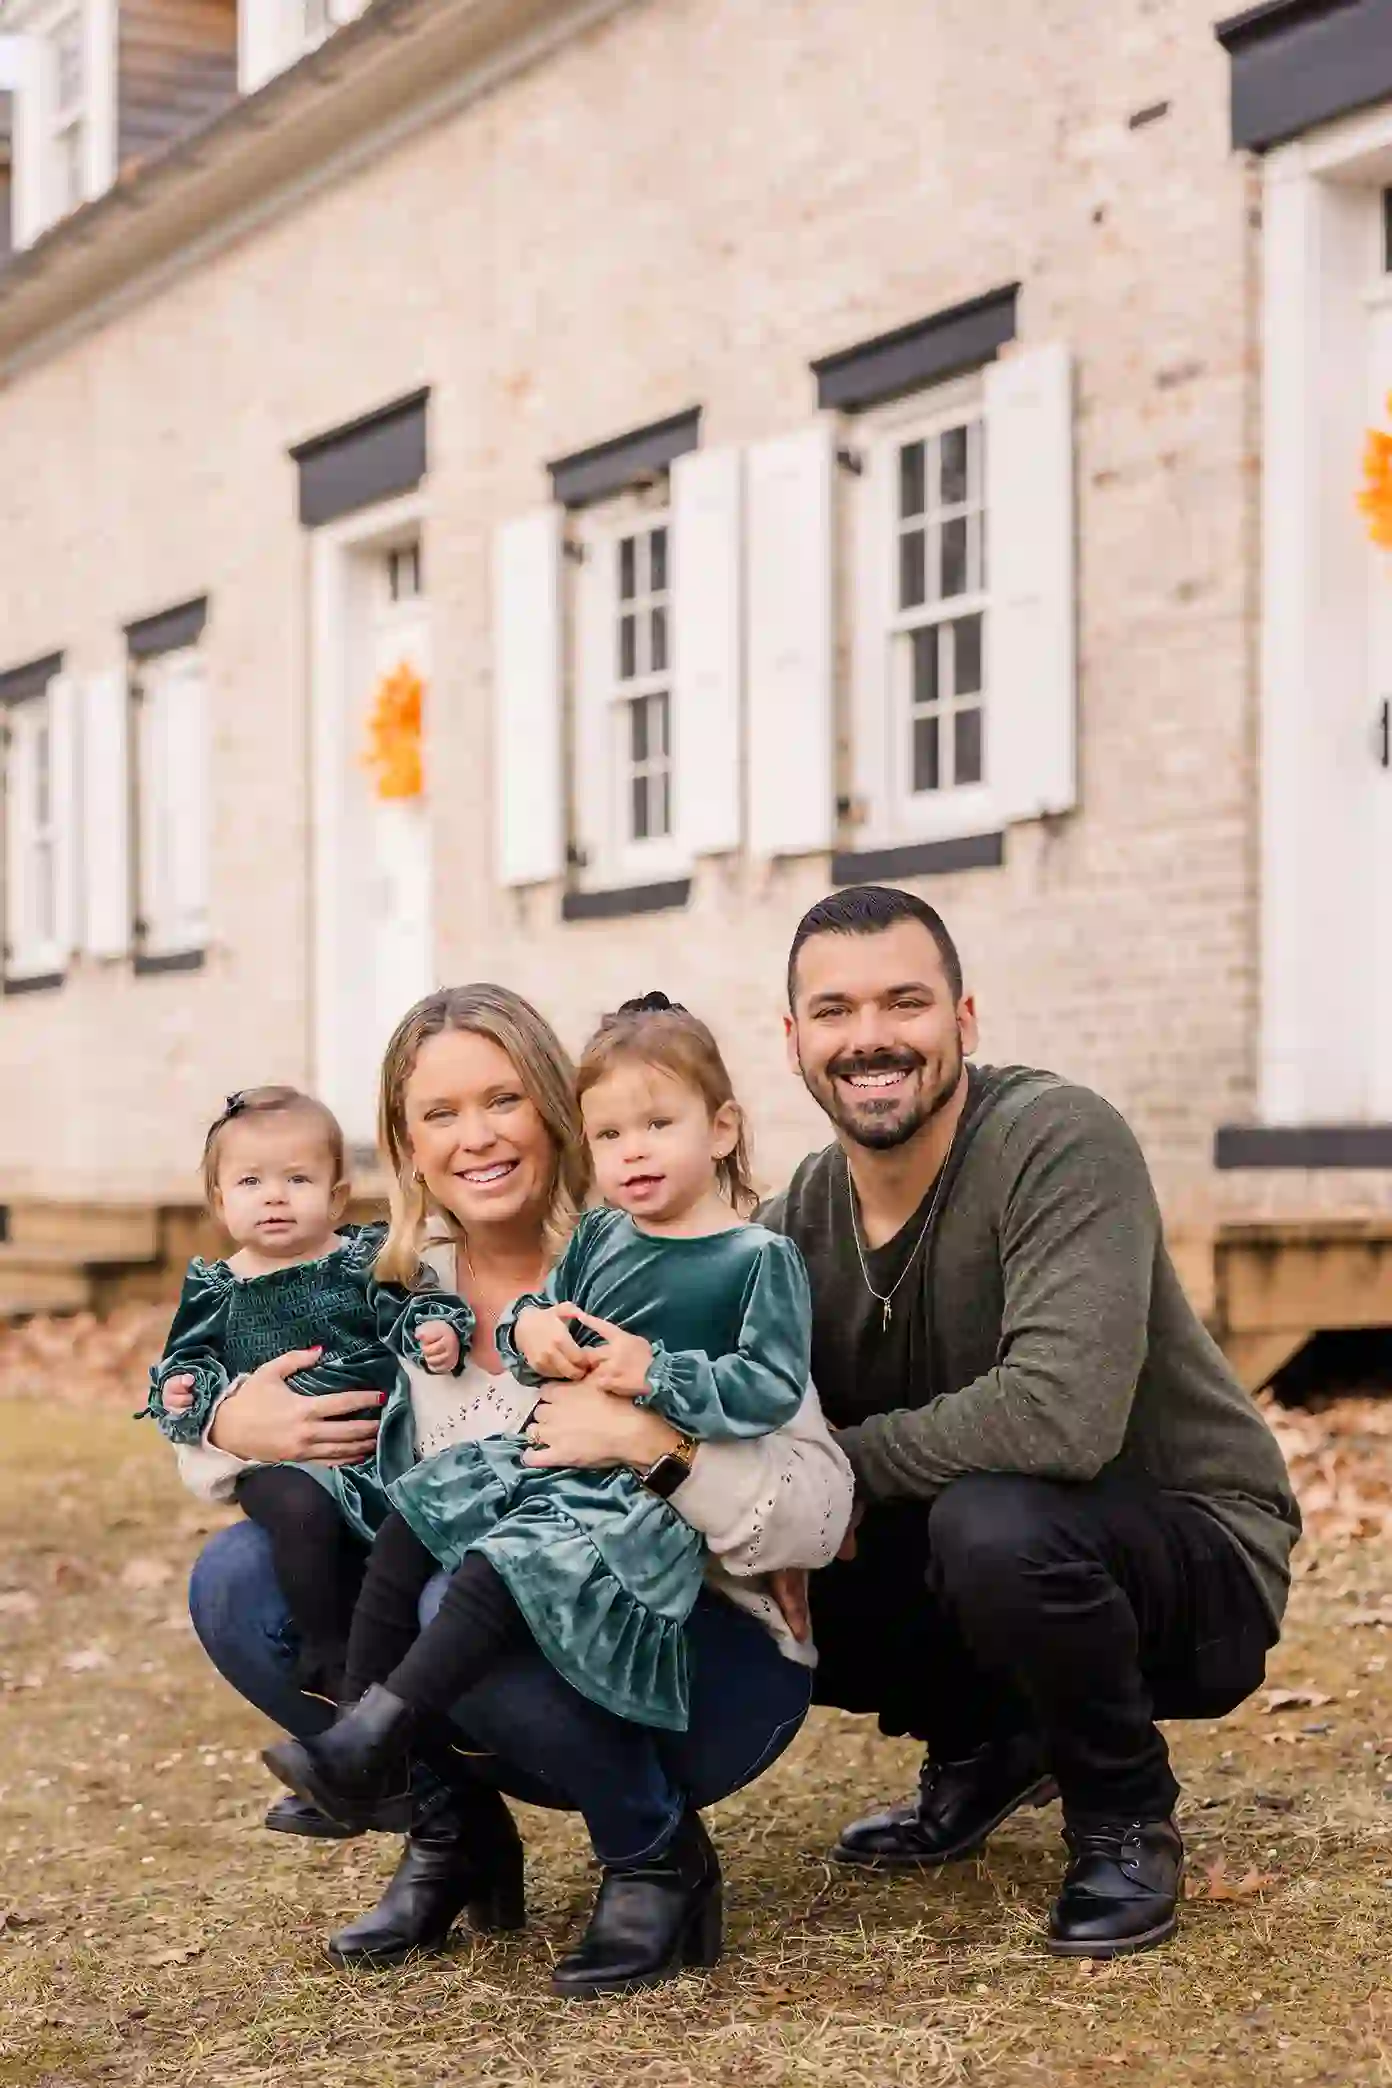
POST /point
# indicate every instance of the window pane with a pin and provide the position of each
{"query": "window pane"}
(954, 557)
(638, 730)
(67, 52)
(45, 922)
(640, 808)
(911, 569)
(911, 479)
(657, 553)
(925, 752)
(660, 801)
(69, 150)
(628, 645)
(627, 561)
(966, 647)
(966, 750)
(661, 725)
(43, 791)
(658, 661)
(952, 450)
(924, 645)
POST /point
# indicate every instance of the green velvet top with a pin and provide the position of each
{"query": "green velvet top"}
(227, 1326)
(605, 1572)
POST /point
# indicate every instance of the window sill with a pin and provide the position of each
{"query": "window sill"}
(171, 961)
(1303, 1145)
(919, 859)
(39, 982)
(624, 900)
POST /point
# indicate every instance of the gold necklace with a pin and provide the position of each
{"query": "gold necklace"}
(885, 1299)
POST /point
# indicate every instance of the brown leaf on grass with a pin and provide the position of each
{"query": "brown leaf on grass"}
(1219, 1886)
(18, 1602)
(86, 1659)
(1373, 1617)
(1295, 1699)
(71, 1576)
(14, 1918)
(155, 1573)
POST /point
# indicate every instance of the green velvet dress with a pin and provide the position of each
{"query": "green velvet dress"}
(228, 1325)
(605, 1572)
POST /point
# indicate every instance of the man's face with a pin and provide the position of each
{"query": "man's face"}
(875, 1032)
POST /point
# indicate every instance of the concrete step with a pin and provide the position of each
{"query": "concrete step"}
(41, 1280)
(86, 1232)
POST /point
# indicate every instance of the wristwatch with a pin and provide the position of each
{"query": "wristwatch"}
(667, 1472)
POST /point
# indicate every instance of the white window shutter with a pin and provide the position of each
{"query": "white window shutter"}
(66, 814)
(789, 566)
(529, 780)
(1031, 676)
(707, 557)
(24, 71)
(189, 810)
(873, 579)
(100, 55)
(106, 837)
(262, 43)
(21, 955)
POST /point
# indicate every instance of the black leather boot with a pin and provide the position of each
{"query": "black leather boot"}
(650, 1922)
(1121, 1889)
(958, 1805)
(463, 1856)
(292, 1815)
(359, 1771)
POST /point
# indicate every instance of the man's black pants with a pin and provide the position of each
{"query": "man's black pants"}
(1079, 1612)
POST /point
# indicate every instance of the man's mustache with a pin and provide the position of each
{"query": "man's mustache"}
(876, 1062)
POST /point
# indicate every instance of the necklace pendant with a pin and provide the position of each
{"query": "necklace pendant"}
(886, 1315)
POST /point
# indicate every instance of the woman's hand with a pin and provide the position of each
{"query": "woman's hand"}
(621, 1366)
(264, 1422)
(580, 1425)
(542, 1334)
(439, 1345)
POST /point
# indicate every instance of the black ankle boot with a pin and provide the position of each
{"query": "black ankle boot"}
(650, 1921)
(958, 1805)
(1121, 1889)
(359, 1771)
(291, 1815)
(464, 1856)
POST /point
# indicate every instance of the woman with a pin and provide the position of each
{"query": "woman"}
(480, 1128)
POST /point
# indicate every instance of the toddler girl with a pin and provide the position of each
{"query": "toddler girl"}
(666, 1298)
(273, 1174)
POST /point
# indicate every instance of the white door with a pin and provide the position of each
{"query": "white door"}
(1377, 763)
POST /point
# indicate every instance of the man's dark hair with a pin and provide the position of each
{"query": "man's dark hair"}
(869, 910)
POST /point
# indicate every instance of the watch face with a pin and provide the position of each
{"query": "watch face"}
(664, 1477)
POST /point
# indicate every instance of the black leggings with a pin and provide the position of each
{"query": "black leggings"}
(318, 1561)
(477, 1624)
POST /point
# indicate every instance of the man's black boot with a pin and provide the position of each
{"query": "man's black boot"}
(650, 1922)
(462, 1856)
(1121, 1889)
(292, 1815)
(360, 1769)
(958, 1805)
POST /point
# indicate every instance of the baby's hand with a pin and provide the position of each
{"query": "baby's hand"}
(176, 1395)
(622, 1364)
(543, 1335)
(439, 1344)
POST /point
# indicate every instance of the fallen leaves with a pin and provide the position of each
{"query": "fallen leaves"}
(1307, 1699)
(1339, 1451)
(86, 1660)
(18, 1602)
(1379, 1618)
(139, 1574)
(15, 1918)
(175, 1954)
(1219, 1885)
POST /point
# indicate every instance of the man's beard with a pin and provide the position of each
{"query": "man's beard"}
(880, 1127)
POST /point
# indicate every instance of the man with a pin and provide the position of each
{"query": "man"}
(1072, 1518)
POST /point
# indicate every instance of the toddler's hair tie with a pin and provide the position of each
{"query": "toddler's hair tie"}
(235, 1105)
(651, 1004)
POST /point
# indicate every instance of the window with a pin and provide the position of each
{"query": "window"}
(404, 579)
(643, 734)
(40, 831)
(173, 807)
(940, 567)
(68, 130)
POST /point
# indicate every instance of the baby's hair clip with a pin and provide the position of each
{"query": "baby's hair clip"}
(235, 1105)
(652, 1004)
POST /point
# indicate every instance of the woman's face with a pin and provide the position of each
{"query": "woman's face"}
(477, 1139)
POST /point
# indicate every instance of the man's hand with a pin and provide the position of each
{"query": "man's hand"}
(788, 1588)
(621, 1366)
(542, 1334)
(265, 1422)
(176, 1395)
(439, 1345)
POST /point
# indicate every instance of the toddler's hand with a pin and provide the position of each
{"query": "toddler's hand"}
(621, 1366)
(543, 1335)
(176, 1395)
(439, 1344)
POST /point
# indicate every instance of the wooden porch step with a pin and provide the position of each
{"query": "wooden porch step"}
(85, 1232)
(41, 1280)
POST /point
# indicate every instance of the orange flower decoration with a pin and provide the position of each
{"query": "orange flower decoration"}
(1376, 498)
(393, 755)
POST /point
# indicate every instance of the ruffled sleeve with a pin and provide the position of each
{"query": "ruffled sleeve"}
(564, 1281)
(400, 1313)
(759, 1385)
(193, 1349)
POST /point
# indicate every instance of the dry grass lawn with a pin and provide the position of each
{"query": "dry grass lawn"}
(151, 1932)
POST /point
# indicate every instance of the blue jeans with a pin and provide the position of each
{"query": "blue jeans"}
(538, 1739)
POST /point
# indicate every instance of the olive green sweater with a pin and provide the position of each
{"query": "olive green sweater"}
(1039, 1328)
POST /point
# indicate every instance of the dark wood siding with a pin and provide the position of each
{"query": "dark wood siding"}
(178, 69)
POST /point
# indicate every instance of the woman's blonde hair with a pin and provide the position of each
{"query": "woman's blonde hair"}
(654, 1031)
(545, 1075)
